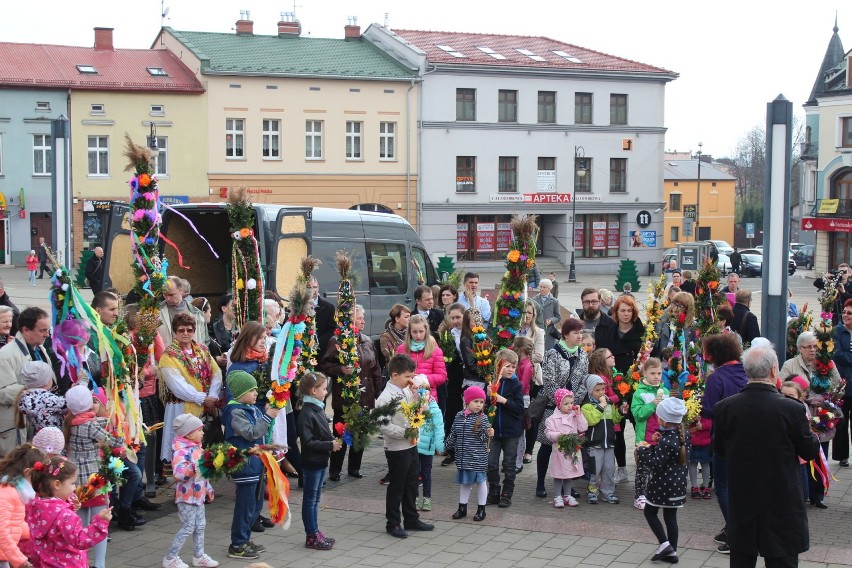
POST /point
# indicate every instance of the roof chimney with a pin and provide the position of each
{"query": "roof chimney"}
(352, 30)
(103, 39)
(289, 26)
(244, 25)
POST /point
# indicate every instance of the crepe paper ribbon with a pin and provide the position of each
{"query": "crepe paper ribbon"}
(192, 225)
(177, 250)
(278, 487)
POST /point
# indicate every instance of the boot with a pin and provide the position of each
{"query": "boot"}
(125, 520)
(493, 495)
(462, 512)
(137, 517)
(505, 501)
(480, 513)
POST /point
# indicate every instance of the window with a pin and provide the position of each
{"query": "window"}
(546, 175)
(547, 106)
(373, 207)
(387, 141)
(271, 138)
(234, 137)
(42, 106)
(618, 109)
(313, 139)
(618, 175)
(674, 201)
(583, 108)
(674, 235)
(846, 132)
(465, 174)
(157, 72)
(547, 163)
(597, 236)
(87, 69)
(161, 160)
(158, 110)
(465, 104)
(508, 174)
(353, 140)
(387, 267)
(507, 106)
(98, 155)
(583, 183)
(97, 108)
(42, 154)
(714, 201)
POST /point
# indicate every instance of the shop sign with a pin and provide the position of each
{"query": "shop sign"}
(546, 181)
(827, 224)
(599, 234)
(579, 235)
(504, 236)
(588, 197)
(613, 234)
(174, 199)
(547, 198)
(485, 237)
(462, 239)
(505, 198)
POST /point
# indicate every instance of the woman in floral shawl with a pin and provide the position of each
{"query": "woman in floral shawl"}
(190, 379)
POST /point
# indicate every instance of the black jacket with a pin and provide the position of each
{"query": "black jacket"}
(745, 323)
(315, 436)
(507, 419)
(95, 273)
(435, 319)
(761, 434)
(324, 322)
(624, 347)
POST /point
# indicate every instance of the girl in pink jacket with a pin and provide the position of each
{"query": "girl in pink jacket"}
(422, 347)
(59, 539)
(566, 419)
(16, 491)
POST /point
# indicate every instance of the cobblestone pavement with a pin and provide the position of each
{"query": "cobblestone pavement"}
(529, 534)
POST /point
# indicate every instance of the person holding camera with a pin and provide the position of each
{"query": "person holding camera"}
(549, 314)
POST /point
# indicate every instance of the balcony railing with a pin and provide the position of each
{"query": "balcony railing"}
(808, 150)
(837, 208)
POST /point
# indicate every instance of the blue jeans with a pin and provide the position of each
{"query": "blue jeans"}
(133, 480)
(140, 464)
(249, 503)
(720, 481)
(313, 479)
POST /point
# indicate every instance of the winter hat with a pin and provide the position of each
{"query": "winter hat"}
(37, 374)
(671, 410)
(49, 440)
(560, 394)
(100, 395)
(761, 342)
(186, 424)
(801, 381)
(240, 382)
(592, 381)
(473, 393)
(79, 399)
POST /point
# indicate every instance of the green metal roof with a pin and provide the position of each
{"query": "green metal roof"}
(233, 54)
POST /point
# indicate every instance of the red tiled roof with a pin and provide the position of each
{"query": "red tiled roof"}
(507, 46)
(55, 66)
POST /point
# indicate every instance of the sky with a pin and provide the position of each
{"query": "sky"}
(733, 57)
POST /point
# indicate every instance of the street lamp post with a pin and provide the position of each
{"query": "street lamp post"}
(152, 140)
(698, 194)
(580, 169)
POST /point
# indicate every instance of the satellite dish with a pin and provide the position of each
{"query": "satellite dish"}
(166, 12)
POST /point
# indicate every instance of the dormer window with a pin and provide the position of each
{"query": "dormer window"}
(87, 69)
(157, 72)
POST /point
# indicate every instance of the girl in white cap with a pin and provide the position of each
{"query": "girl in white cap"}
(41, 407)
(666, 489)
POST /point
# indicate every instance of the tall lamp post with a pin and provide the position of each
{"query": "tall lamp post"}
(580, 169)
(698, 194)
(152, 140)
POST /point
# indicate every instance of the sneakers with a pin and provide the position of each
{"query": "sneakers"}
(427, 504)
(243, 551)
(592, 498)
(706, 493)
(570, 501)
(558, 502)
(256, 547)
(639, 502)
(722, 537)
(175, 562)
(696, 493)
(385, 480)
(313, 541)
(620, 475)
(204, 560)
(418, 503)
(723, 549)
(322, 536)
(612, 499)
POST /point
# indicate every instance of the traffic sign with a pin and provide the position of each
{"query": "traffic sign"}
(749, 229)
(688, 224)
(690, 211)
(643, 219)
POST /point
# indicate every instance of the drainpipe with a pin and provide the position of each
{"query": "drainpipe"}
(408, 156)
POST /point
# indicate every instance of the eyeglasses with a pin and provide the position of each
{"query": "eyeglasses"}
(809, 346)
(591, 302)
(610, 356)
(185, 330)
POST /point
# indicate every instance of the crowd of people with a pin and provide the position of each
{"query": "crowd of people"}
(554, 400)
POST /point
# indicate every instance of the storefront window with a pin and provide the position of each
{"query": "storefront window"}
(482, 237)
(597, 236)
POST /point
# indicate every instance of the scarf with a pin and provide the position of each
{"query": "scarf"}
(255, 355)
(570, 350)
(399, 336)
(82, 418)
(417, 346)
(313, 400)
(195, 368)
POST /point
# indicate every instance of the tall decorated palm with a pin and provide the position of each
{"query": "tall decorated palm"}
(510, 300)
(247, 272)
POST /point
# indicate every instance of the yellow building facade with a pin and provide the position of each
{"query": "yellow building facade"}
(715, 207)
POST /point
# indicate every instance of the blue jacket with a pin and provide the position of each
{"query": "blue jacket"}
(843, 355)
(509, 416)
(431, 435)
(245, 427)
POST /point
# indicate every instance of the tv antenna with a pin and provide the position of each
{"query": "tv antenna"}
(164, 11)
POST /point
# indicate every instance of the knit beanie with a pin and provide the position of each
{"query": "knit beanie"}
(79, 399)
(186, 424)
(561, 394)
(49, 440)
(592, 381)
(671, 410)
(240, 382)
(801, 381)
(37, 374)
(100, 395)
(473, 393)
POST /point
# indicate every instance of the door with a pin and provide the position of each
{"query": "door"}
(291, 242)
(40, 226)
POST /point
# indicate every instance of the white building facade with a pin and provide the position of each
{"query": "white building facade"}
(508, 123)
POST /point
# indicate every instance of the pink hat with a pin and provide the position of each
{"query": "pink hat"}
(100, 395)
(49, 440)
(473, 393)
(560, 394)
(801, 381)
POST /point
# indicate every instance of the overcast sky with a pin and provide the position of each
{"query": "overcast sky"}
(732, 56)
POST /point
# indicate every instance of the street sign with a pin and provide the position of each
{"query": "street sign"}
(643, 219)
(749, 228)
(690, 211)
(688, 224)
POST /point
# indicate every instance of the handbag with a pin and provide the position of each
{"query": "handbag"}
(213, 431)
(536, 408)
(553, 332)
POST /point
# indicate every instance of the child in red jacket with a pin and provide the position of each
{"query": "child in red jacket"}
(700, 454)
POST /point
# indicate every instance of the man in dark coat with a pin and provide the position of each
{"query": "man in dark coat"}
(424, 304)
(761, 434)
(323, 317)
(42, 257)
(736, 260)
(745, 322)
(95, 270)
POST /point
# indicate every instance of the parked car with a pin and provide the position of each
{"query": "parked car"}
(751, 264)
(805, 256)
(791, 264)
(723, 247)
(724, 264)
(668, 255)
